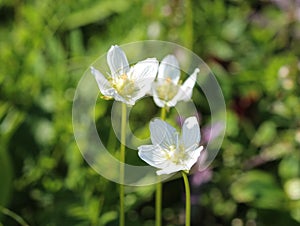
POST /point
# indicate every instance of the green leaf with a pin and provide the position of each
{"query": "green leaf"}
(265, 134)
(289, 167)
(95, 13)
(258, 189)
(107, 217)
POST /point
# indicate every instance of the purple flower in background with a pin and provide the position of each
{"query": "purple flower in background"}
(201, 177)
(211, 132)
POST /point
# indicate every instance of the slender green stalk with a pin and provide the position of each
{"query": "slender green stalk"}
(158, 206)
(163, 113)
(187, 199)
(13, 215)
(158, 194)
(122, 159)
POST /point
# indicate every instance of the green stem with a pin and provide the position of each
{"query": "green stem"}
(158, 206)
(122, 159)
(13, 215)
(158, 194)
(163, 113)
(187, 199)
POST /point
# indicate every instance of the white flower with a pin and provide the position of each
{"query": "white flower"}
(126, 84)
(168, 151)
(165, 90)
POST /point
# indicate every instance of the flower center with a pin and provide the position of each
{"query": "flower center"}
(124, 85)
(176, 155)
(167, 90)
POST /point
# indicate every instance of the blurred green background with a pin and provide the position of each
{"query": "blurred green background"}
(251, 46)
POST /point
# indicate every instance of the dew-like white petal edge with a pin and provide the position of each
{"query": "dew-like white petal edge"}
(144, 69)
(169, 68)
(102, 82)
(163, 134)
(173, 102)
(143, 74)
(171, 168)
(193, 157)
(186, 90)
(190, 132)
(117, 61)
(153, 155)
(160, 103)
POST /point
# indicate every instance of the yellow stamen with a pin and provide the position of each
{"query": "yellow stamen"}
(168, 80)
(167, 90)
(124, 86)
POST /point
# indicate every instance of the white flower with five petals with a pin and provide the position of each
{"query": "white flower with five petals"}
(170, 152)
(165, 90)
(126, 84)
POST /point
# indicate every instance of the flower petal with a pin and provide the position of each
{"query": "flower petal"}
(171, 168)
(173, 102)
(193, 156)
(145, 69)
(163, 134)
(169, 68)
(153, 155)
(157, 100)
(117, 61)
(122, 99)
(143, 74)
(186, 90)
(190, 135)
(103, 84)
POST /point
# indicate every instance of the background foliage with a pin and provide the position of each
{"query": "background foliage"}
(253, 49)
